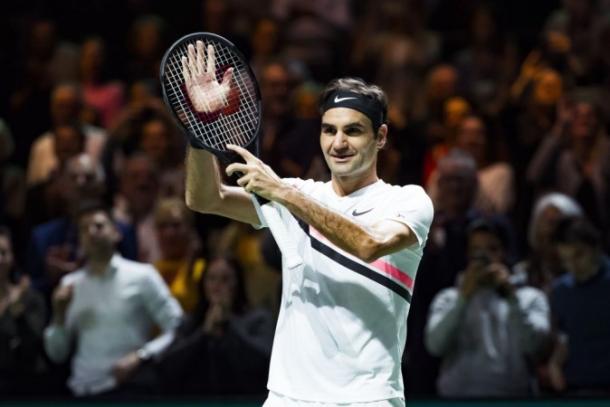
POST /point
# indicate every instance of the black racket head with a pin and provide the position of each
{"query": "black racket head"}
(239, 122)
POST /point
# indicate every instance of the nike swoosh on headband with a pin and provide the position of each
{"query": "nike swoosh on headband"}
(339, 100)
(356, 213)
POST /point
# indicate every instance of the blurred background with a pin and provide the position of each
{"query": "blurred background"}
(499, 109)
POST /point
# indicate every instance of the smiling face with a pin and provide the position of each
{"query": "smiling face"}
(350, 147)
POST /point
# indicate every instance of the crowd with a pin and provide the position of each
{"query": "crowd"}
(110, 286)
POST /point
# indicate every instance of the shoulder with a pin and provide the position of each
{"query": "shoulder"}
(411, 199)
(94, 132)
(528, 293)
(498, 170)
(73, 277)
(43, 142)
(134, 269)
(53, 230)
(416, 192)
(409, 193)
(257, 317)
(562, 283)
(449, 294)
(307, 186)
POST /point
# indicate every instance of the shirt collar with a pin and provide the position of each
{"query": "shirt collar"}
(113, 266)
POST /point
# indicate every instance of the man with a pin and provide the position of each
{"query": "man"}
(53, 248)
(66, 107)
(108, 309)
(489, 326)
(444, 257)
(135, 202)
(342, 323)
(580, 306)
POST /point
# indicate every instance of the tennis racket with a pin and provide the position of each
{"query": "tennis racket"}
(227, 111)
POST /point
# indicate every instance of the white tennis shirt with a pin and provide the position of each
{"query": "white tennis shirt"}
(342, 328)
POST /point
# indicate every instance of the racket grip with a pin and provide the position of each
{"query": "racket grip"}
(261, 201)
(280, 234)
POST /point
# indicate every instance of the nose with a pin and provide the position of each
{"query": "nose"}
(94, 228)
(340, 141)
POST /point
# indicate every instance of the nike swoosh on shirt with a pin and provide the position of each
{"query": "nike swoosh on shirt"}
(356, 213)
(338, 99)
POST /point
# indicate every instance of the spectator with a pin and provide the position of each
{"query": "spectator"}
(568, 35)
(572, 159)
(146, 44)
(12, 185)
(581, 311)
(58, 58)
(487, 328)
(496, 179)
(106, 98)
(535, 98)
(69, 141)
(496, 193)
(264, 42)
(440, 84)
(224, 348)
(542, 264)
(66, 108)
(286, 144)
(107, 309)
(179, 263)
(488, 63)
(22, 318)
(455, 110)
(145, 127)
(53, 249)
(444, 256)
(136, 200)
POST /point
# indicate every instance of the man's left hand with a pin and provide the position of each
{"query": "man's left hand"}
(125, 367)
(255, 176)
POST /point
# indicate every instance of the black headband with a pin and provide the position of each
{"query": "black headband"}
(366, 105)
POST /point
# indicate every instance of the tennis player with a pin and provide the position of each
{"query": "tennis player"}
(341, 330)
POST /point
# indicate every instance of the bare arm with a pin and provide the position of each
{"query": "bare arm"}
(206, 193)
(366, 243)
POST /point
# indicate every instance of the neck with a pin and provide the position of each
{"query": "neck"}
(346, 185)
(99, 263)
(588, 274)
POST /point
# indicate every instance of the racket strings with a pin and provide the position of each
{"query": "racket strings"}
(238, 127)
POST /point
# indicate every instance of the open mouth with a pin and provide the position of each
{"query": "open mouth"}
(342, 157)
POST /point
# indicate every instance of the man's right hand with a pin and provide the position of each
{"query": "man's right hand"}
(204, 91)
(61, 299)
(471, 279)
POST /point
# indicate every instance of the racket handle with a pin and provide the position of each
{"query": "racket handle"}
(271, 216)
(261, 201)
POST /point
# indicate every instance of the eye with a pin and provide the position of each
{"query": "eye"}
(353, 131)
(328, 130)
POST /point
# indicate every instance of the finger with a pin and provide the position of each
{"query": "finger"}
(248, 157)
(211, 59)
(185, 72)
(244, 181)
(227, 77)
(192, 60)
(237, 168)
(200, 57)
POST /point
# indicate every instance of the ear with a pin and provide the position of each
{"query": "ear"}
(382, 136)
